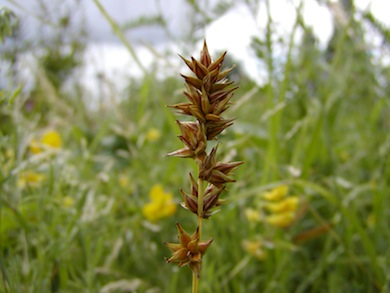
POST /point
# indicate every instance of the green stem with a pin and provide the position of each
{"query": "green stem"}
(195, 279)
(200, 205)
(271, 157)
(195, 282)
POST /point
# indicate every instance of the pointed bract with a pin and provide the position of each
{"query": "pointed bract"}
(205, 57)
(189, 250)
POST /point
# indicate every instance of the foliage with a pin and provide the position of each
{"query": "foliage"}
(7, 23)
(71, 217)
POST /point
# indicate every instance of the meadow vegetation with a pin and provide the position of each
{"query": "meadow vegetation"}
(87, 197)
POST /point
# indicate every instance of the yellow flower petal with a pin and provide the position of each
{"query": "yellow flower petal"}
(150, 211)
(52, 139)
(153, 134)
(254, 248)
(161, 204)
(276, 194)
(30, 179)
(68, 201)
(34, 147)
(286, 205)
(156, 192)
(252, 215)
(281, 220)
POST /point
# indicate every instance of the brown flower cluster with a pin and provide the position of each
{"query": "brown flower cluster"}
(209, 94)
(189, 250)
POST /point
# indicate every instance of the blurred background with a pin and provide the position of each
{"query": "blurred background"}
(84, 128)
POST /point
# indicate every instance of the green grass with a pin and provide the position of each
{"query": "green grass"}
(320, 125)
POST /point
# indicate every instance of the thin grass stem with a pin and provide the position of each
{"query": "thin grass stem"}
(195, 283)
(200, 206)
(195, 278)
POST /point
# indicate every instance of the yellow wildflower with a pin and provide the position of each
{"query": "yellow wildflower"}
(10, 154)
(124, 182)
(50, 140)
(281, 208)
(276, 194)
(153, 135)
(288, 204)
(34, 147)
(281, 220)
(68, 201)
(30, 179)
(7, 161)
(161, 204)
(254, 248)
(252, 215)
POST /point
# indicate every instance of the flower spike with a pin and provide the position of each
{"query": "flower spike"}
(208, 93)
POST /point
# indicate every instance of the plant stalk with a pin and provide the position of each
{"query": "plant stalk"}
(200, 205)
(195, 282)
(195, 278)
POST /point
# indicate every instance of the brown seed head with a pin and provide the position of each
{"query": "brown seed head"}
(194, 139)
(216, 173)
(210, 199)
(189, 250)
(208, 91)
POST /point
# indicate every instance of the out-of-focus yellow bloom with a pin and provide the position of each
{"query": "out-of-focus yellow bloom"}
(254, 248)
(252, 215)
(10, 154)
(30, 179)
(7, 161)
(153, 134)
(68, 201)
(161, 204)
(281, 209)
(276, 194)
(288, 204)
(281, 220)
(50, 140)
(34, 146)
(125, 183)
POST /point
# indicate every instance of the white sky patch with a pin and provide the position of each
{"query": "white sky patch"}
(320, 19)
(108, 67)
(233, 32)
(380, 8)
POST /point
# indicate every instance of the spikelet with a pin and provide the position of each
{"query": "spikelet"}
(208, 94)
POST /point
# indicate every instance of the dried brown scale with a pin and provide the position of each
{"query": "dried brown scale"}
(189, 250)
(194, 140)
(211, 198)
(215, 127)
(222, 95)
(209, 93)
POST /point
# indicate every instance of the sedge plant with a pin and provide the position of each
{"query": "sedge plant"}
(209, 94)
